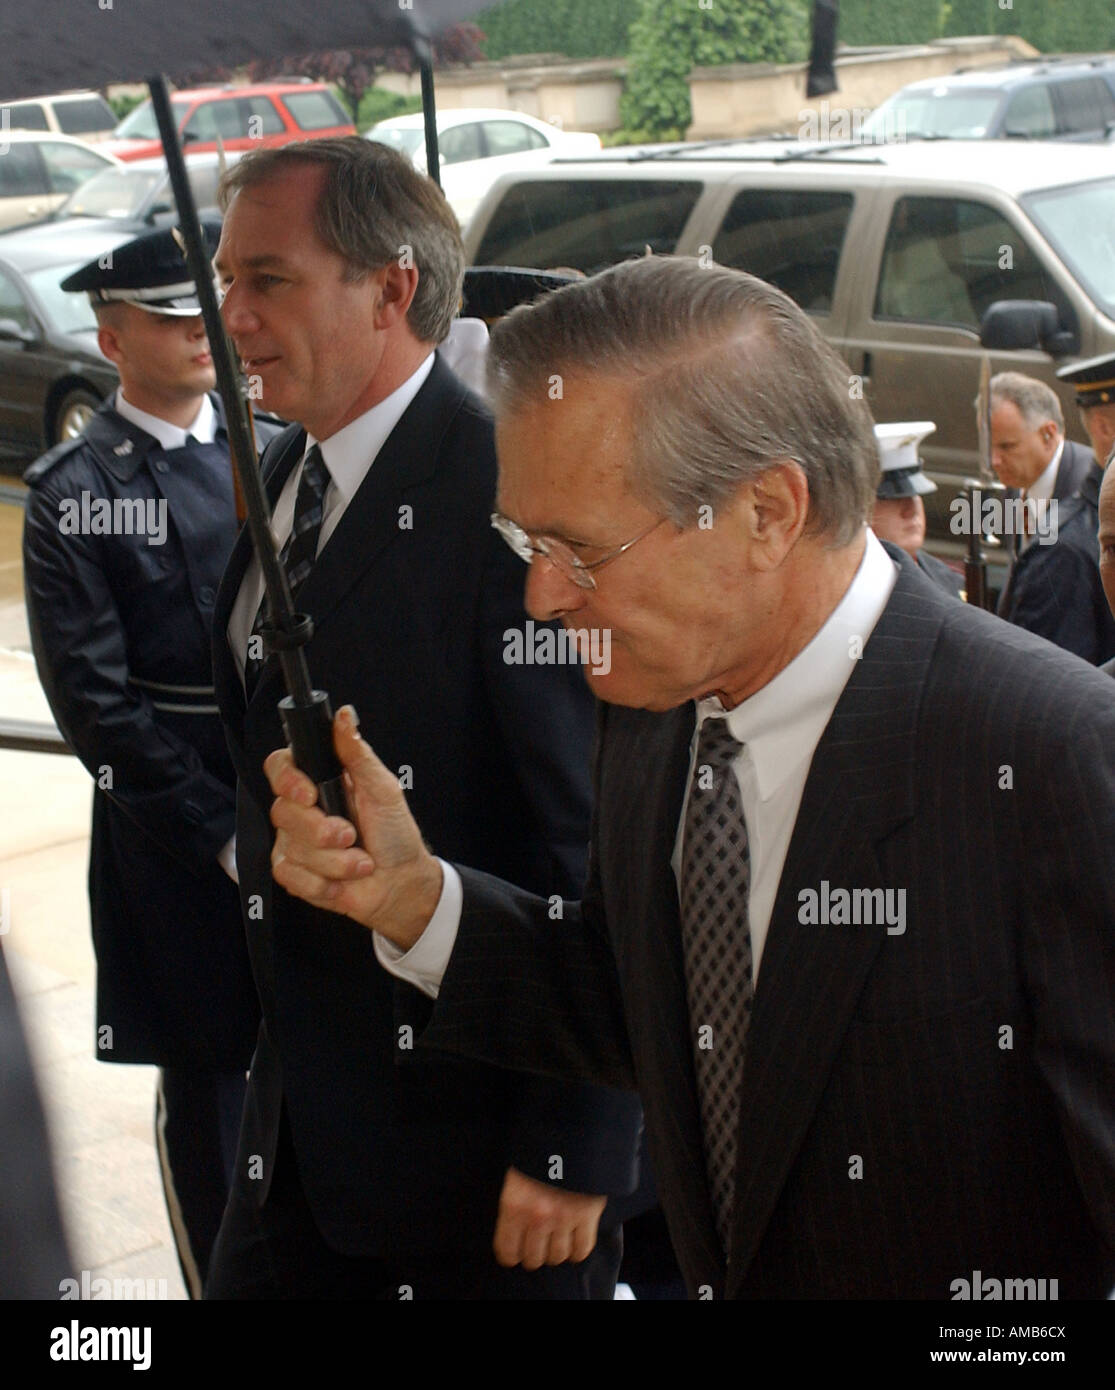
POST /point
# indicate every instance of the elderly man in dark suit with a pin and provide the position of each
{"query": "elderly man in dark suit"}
(849, 917)
(365, 1170)
(1052, 587)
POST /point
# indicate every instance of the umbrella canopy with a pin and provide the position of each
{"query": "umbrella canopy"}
(54, 45)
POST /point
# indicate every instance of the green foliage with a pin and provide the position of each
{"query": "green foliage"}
(122, 105)
(379, 105)
(1053, 26)
(577, 28)
(670, 37)
(882, 21)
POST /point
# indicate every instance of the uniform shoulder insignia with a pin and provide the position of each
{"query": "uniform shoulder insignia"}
(45, 462)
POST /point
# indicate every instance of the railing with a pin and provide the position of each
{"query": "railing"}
(29, 736)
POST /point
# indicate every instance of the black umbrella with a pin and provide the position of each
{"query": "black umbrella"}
(60, 44)
(55, 45)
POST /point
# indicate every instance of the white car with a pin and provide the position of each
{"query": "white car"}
(477, 145)
(38, 172)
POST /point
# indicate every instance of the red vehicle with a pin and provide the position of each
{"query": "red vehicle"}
(245, 118)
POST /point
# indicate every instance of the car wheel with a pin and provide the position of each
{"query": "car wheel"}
(74, 412)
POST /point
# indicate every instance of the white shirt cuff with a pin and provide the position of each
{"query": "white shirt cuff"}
(424, 964)
(226, 858)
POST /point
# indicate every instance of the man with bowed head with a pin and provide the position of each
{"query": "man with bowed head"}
(367, 1169)
(835, 1109)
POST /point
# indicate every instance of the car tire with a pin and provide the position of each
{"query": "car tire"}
(73, 413)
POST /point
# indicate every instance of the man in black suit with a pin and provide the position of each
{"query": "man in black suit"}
(848, 922)
(1052, 587)
(365, 1170)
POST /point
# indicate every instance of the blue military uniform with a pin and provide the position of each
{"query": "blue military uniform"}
(125, 542)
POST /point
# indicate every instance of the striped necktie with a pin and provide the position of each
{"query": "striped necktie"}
(300, 549)
(716, 944)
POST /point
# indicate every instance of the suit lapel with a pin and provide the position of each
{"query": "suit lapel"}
(409, 456)
(276, 464)
(859, 789)
(651, 761)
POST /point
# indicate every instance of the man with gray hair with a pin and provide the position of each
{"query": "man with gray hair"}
(365, 1172)
(870, 1064)
(1053, 587)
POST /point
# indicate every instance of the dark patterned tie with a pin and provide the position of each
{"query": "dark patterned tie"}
(716, 940)
(300, 550)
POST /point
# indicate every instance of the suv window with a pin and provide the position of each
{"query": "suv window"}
(26, 115)
(68, 166)
(512, 137)
(1030, 114)
(314, 110)
(21, 172)
(1086, 105)
(84, 116)
(460, 143)
(791, 239)
(586, 224)
(258, 116)
(946, 260)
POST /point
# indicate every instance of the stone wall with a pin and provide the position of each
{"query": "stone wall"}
(737, 99)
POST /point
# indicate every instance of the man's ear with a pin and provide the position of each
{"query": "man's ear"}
(396, 283)
(109, 343)
(779, 511)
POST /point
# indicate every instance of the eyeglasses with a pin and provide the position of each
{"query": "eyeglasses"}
(559, 553)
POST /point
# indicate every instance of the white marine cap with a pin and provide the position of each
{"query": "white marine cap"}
(898, 458)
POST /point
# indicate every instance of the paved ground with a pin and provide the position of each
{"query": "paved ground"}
(100, 1116)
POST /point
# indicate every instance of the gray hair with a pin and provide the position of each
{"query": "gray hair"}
(1033, 400)
(730, 379)
(374, 205)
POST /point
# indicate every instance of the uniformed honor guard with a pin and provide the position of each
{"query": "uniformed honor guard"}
(899, 515)
(126, 534)
(1094, 383)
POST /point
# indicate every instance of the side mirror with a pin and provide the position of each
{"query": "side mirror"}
(13, 332)
(1011, 324)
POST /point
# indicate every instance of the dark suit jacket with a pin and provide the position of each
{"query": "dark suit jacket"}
(1055, 590)
(944, 576)
(121, 631)
(969, 1062)
(401, 1155)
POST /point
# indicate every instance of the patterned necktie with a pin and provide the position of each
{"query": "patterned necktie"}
(300, 550)
(716, 940)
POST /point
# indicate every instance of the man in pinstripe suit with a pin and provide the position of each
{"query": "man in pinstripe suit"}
(840, 817)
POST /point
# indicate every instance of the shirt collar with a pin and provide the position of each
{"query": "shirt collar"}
(350, 452)
(782, 723)
(1042, 489)
(203, 429)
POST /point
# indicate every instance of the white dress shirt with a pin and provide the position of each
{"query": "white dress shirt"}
(349, 455)
(780, 727)
(1041, 493)
(203, 429)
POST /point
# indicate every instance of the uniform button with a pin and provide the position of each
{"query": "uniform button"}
(161, 466)
(206, 595)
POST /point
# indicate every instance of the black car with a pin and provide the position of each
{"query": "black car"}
(52, 374)
(1058, 99)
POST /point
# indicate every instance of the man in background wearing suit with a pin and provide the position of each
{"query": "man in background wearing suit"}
(849, 917)
(365, 1170)
(1053, 587)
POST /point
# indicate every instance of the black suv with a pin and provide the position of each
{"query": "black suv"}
(1054, 99)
